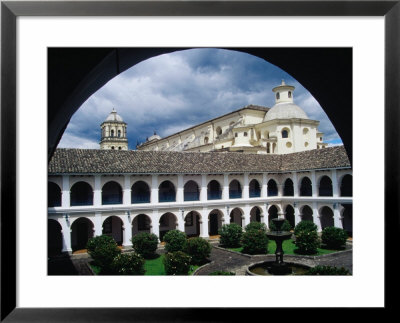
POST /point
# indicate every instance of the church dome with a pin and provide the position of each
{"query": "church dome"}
(113, 116)
(285, 111)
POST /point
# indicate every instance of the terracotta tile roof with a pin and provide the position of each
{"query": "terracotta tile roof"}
(89, 161)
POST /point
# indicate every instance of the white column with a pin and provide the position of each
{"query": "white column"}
(65, 196)
(225, 190)
(316, 216)
(179, 195)
(336, 216)
(154, 190)
(203, 190)
(280, 189)
(127, 230)
(297, 217)
(295, 184)
(66, 233)
(264, 188)
(204, 223)
(246, 193)
(246, 215)
(181, 220)
(335, 188)
(97, 191)
(227, 217)
(314, 184)
(155, 224)
(98, 225)
(126, 196)
(264, 215)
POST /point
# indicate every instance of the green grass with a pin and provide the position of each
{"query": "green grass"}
(288, 248)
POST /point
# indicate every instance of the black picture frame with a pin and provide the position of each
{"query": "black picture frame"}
(11, 10)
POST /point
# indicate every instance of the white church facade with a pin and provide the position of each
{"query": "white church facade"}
(121, 192)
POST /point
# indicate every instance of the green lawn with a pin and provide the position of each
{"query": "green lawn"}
(153, 267)
(288, 248)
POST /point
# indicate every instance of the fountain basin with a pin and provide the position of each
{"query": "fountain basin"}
(268, 268)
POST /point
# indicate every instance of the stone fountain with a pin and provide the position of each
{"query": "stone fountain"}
(279, 267)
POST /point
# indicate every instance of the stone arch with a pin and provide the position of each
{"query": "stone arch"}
(214, 191)
(53, 194)
(254, 188)
(288, 189)
(54, 238)
(255, 214)
(81, 194)
(346, 185)
(140, 192)
(192, 224)
(285, 133)
(347, 219)
(111, 193)
(168, 221)
(326, 217)
(325, 186)
(113, 226)
(235, 189)
(82, 229)
(289, 215)
(306, 213)
(191, 191)
(273, 211)
(236, 216)
(141, 223)
(215, 221)
(305, 186)
(166, 192)
(272, 188)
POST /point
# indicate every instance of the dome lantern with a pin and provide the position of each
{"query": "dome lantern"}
(113, 132)
(283, 93)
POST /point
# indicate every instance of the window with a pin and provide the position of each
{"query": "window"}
(289, 94)
(206, 140)
(119, 133)
(285, 134)
(245, 134)
(112, 133)
(218, 131)
(277, 96)
(112, 147)
(119, 148)
(236, 134)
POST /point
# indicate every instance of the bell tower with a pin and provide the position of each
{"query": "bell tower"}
(283, 93)
(113, 133)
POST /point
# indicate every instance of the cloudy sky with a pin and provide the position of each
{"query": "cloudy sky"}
(172, 92)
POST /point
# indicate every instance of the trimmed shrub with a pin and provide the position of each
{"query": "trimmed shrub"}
(103, 249)
(128, 264)
(334, 238)
(305, 226)
(327, 270)
(176, 263)
(145, 244)
(255, 242)
(307, 242)
(199, 250)
(222, 273)
(285, 226)
(230, 235)
(175, 240)
(256, 226)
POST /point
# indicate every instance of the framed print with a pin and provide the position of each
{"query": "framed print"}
(200, 24)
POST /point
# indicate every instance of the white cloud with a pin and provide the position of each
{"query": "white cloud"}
(71, 141)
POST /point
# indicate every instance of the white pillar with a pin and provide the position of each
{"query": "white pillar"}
(181, 220)
(336, 216)
(335, 188)
(203, 190)
(204, 223)
(127, 230)
(126, 195)
(155, 224)
(154, 190)
(295, 185)
(65, 196)
(179, 195)
(316, 216)
(264, 215)
(280, 189)
(297, 217)
(225, 190)
(227, 218)
(246, 215)
(264, 187)
(97, 191)
(66, 233)
(246, 193)
(98, 225)
(314, 184)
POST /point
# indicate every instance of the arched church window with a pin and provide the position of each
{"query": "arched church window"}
(245, 134)
(112, 133)
(218, 131)
(285, 134)
(277, 96)
(289, 94)
(206, 140)
(236, 134)
(119, 133)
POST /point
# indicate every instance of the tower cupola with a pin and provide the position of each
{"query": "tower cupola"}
(113, 132)
(283, 93)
